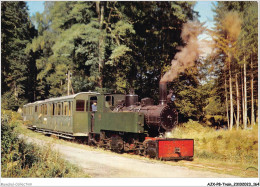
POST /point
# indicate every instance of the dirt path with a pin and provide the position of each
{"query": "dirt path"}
(104, 165)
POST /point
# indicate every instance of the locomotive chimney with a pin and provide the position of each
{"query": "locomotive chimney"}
(162, 93)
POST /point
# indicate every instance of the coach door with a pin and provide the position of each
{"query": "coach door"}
(92, 109)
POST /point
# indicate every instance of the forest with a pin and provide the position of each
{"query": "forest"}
(76, 46)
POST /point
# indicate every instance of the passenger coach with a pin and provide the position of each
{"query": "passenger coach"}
(66, 116)
(72, 116)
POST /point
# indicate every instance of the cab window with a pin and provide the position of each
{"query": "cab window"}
(109, 101)
(93, 103)
(80, 105)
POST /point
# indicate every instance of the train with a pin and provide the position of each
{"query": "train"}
(117, 122)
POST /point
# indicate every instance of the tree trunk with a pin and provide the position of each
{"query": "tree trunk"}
(238, 107)
(245, 98)
(242, 95)
(100, 12)
(230, 94)
(252, 95)
(226, 100)
(231, 101)
(15, 92)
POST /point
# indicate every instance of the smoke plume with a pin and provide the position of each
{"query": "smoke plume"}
(232, 25)
(188, 54)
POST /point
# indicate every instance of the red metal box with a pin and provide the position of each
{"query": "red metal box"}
(170, 148)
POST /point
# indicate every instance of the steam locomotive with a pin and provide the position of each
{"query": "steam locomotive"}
(113, 121)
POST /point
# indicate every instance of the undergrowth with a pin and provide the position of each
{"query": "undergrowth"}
(21, 159)
(237, 146)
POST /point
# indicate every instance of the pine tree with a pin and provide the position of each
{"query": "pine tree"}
(242, 53)
(17, 31)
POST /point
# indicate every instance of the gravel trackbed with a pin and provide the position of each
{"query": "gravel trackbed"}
(99, 164)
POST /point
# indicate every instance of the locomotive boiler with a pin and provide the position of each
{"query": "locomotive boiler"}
(158, 118)
(119, 122)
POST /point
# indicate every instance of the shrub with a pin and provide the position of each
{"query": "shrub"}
(21, 159)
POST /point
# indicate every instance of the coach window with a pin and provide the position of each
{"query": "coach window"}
(51, 109)
(80, 105)
(58, 109)
(62, 112)
(70, 108)
(66, 112)
(45, 109)
(55, 109)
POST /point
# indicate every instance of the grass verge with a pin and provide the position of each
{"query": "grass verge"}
(22, 159)
(232, 152)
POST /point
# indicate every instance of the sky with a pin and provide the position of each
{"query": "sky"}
(35, 6)
(205, 11)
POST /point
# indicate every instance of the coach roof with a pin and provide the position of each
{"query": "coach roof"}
(70, 96)
(60, 98)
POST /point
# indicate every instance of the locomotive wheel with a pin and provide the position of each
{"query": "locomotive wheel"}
(116, 143)
(91, 140)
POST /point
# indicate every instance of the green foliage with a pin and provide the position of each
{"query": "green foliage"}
(192, 91)
(8, 137)
(119, 52)
(128, 45)
(17, 71)
(118, 48)
(21, 159)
